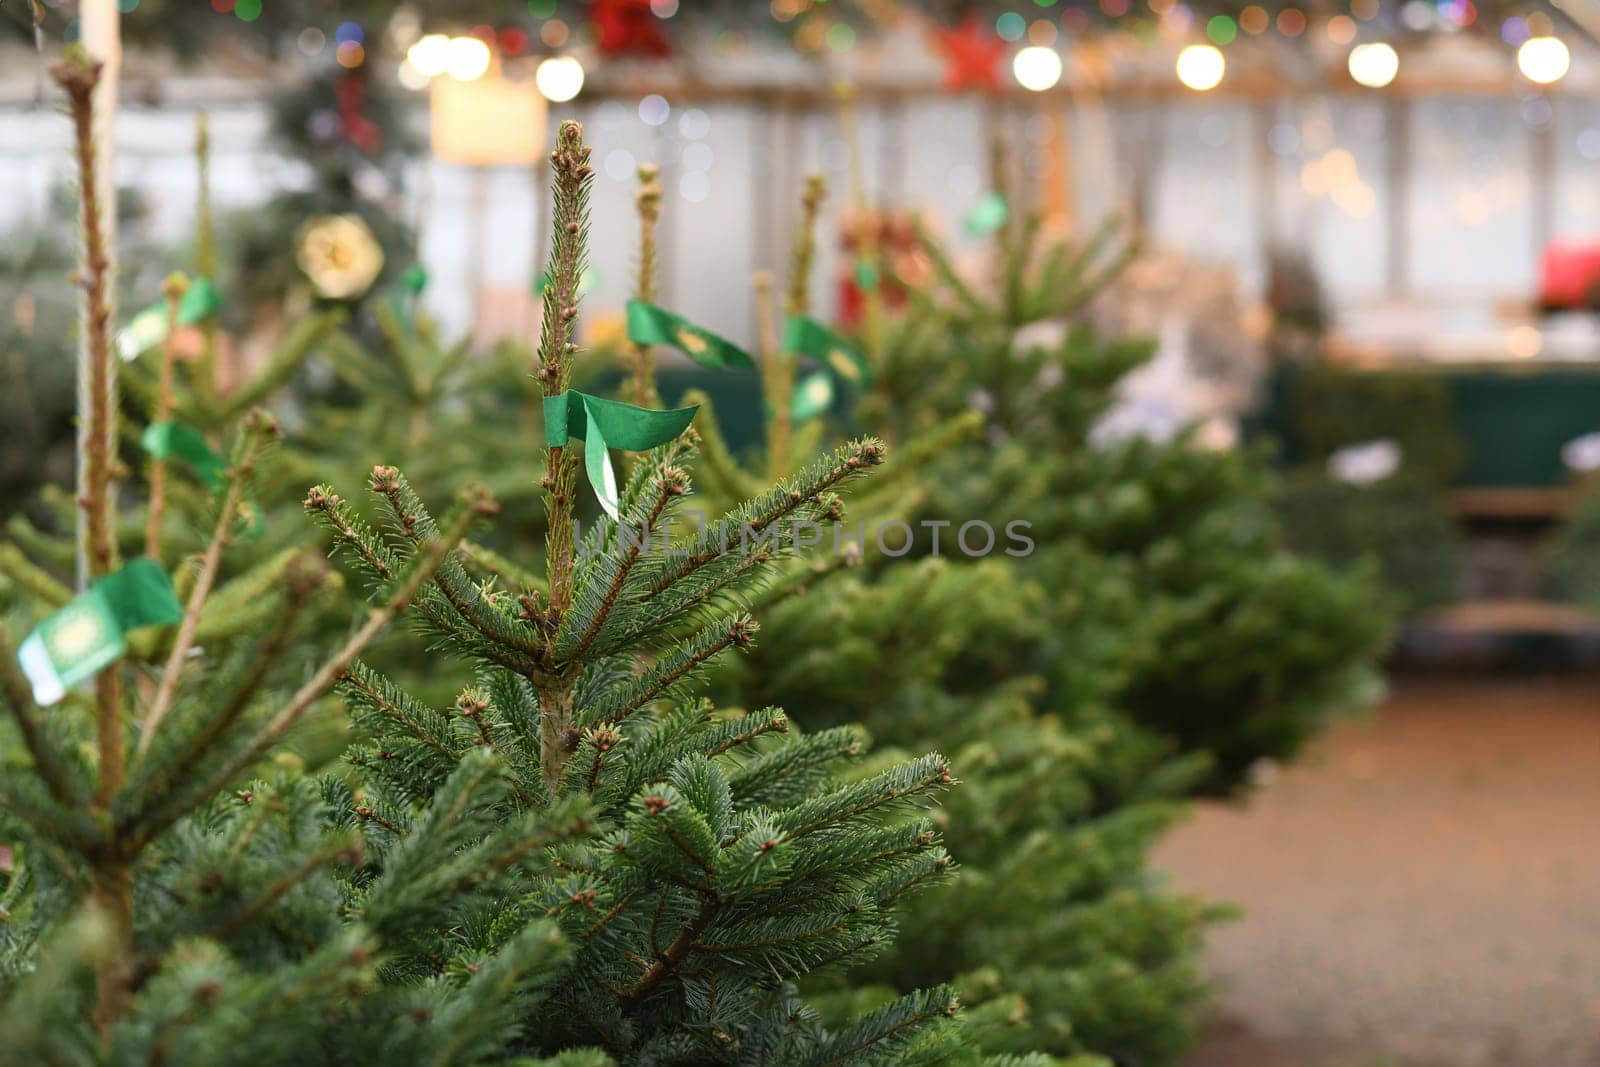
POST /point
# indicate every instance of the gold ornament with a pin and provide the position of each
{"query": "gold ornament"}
(340, 256)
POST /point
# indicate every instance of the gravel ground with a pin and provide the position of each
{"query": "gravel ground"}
(1423, 890)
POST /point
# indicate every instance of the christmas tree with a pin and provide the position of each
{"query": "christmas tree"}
(734, 855)
(168, 876)
(1089, 959)
(1243, 650)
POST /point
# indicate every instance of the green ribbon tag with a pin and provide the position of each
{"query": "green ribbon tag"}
(987, 215)
(651, 325)
(404, 301)
(808, 337)
(813, 395)
(415, 279)
(606, 424)
(87, 635)
(174, 440)
(148, 327)
(866, 273)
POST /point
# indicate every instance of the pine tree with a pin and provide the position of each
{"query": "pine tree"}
(1253, 649)
(1087, 957)
(172, 887)
(1083, 679)
(734, 855)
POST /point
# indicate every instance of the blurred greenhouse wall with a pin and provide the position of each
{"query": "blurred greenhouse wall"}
(1442, 201)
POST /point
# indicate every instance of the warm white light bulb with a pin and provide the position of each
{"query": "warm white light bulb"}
(1201, 66)
(467, 59)
(1037, 68)
(430, 55)
(559, 78)
(1374, 64)
(1543, 59)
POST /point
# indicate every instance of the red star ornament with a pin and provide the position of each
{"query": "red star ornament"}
(972, 56)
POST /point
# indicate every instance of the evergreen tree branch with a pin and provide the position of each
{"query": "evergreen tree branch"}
(257, 430)
(290, 354)
(760, 514)
(648, 202)
(301, 584)
(175, 286)
(674, 953)
(347, 849)
(31, 578)
(887, 1029)
(573, 177)
(452, 580)
(683, 659)
(51, 767)
(325, 676)
(670, 483)
(798, 303)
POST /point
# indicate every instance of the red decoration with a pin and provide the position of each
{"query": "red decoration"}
(358, 129)
(1569, 274)
(628, 27)
(972, 56)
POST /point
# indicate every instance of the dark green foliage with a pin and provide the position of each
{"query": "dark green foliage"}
(733, 855)
(1572, 554)
(1400, 525)
(1239, 649)
(1051, 921)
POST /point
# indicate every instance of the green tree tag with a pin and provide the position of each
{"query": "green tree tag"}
(808, 337)
(606, 424)
(812, 396)
(169, 440)
(86, 635)
(987, 215)
(652, 325)
(148, 327)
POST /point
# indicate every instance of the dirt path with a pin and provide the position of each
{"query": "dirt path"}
(1422, 891)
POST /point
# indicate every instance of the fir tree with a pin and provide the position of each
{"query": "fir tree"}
(734, 855)
(168, 877)
(1088, 958)
(1246, 650)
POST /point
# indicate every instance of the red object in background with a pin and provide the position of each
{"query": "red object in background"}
(1569, 273)
(358, 129)
(624, 27)
(513, 41)
(972, 56)
(900, 262)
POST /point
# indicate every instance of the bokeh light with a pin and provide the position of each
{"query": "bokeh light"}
(467, 59)
(559, 78)
(430, 55)
(1374, 64)
(1037, 68)
(1544, 60)
(1201, 66)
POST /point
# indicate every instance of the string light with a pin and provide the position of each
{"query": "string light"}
(559, 78)
(1374, 64)
(1037, 68)
(467, 59)
(1201, 66)
(430, 55)
(1543, 60)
